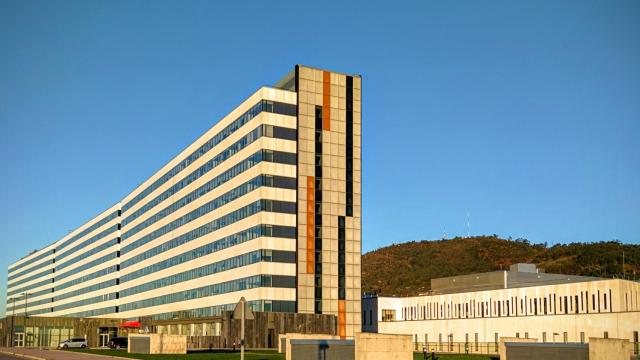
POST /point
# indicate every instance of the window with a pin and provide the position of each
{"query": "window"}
(544, 336)
(606, 334)
(582, 337)
(349, 146)
(388, 315)
(565, 337)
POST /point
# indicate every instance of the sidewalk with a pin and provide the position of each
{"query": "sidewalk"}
(40, 354)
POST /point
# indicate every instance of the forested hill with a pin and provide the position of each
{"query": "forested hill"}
(406, 269)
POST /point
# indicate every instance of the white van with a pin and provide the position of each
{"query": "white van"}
(73, 343)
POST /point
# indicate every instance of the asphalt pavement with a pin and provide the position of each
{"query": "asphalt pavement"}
(9, 357)
(42, 354)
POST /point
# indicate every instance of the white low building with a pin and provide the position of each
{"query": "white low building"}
(470, 313)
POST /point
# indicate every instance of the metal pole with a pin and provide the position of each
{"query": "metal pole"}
(13, 316)
(242, 332)
(26, 316)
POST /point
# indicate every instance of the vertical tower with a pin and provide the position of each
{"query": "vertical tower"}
(329, 195)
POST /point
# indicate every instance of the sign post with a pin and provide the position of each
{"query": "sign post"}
(243, 312)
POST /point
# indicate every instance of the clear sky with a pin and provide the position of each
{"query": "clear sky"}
(526, 114)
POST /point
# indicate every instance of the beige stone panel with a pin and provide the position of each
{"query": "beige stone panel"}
(370, 346)
(305, 73)
(357, 83)
(280, 120)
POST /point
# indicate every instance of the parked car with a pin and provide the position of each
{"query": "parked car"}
(73, 343)
(119, 343)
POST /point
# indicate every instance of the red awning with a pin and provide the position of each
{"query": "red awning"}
(130, 324)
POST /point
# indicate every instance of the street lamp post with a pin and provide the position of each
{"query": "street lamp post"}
(26, 315)
(13, 315)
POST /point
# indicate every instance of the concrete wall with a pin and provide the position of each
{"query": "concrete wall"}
(609, 349)
(503, 340)
(321, 349)
(371, 346)
(297, 336)
(160, 343)
(547, 351)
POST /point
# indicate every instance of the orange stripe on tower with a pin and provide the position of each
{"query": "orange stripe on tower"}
(326, 100)
(311, 226)
(342, 319)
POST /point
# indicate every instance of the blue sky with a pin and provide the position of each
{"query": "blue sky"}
(525, 114)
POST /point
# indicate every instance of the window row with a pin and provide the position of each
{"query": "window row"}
(551, 304)
(88, 289)
(72, 251)
(95, 250)
(29, 287)
(32, 277)
(88, 301)
(211, 311)
(226, 242)
(262, 105)
(30, 304)
(210, 269)
(234, 216)
(237, 169)
(77, 292)
(349, 147)
(250, 282)
(94, 312)
(88, 265)
(198, 173)
(81, 279)
(84, 244)
(229, 196)
(28, 262)
(84, 232)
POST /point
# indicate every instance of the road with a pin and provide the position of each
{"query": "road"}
(48, 355)
(9, 357)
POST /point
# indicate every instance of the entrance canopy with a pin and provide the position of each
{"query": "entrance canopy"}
(130, 324)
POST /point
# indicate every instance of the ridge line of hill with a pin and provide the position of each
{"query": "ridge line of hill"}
(415, 263)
